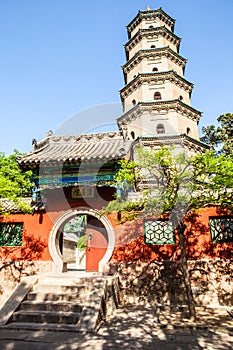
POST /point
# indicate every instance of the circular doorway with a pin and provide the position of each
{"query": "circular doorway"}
(99, 244)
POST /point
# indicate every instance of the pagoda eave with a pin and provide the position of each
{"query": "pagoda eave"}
(156, 76)
(152, 31)
(158, 52)
(149, 14)
(158, 106)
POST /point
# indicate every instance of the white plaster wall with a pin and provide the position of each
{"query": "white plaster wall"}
(173, 66)
(173, 122)
(147, 64)
(144, 24)
(142, 44)
(147, 123)
(146, 43)
(145, 93)
(184, 123)
(136, 95)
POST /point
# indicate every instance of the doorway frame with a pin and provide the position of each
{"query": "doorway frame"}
(54, 235)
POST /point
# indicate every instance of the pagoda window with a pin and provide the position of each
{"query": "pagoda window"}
(160, 129)
(155, 69)
(134, 102)
(152, 47)
(132, 135)
(188, 131)
(151, 27)
(181, 98)
(123, 104)
(157, 95)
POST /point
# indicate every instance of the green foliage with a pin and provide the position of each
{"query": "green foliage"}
(176, 182)
(14, 184)
(213, 180)
(76, 225)
(214, 169)
(220, 138)
(114, 206)
(168, 179)
(81, 244)
(126, 172)
(129, 209)
(125, 178)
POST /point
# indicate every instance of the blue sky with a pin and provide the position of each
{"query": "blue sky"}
(59, 57)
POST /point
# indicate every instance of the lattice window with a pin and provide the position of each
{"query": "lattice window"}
(221, 229)
(158, 232)
(11, 234)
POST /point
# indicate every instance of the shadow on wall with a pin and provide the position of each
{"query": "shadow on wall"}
(130, 245)
(19, 262)
(199, 243)
(154, 273)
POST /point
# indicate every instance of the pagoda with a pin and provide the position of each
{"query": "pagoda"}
(156, 96)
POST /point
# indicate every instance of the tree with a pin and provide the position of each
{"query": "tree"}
(14, 184)
(213, 175)
(220, 138)
(177, 184)
(170, 185)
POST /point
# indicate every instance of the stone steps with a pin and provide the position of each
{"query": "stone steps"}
(43, 327)
(56, 288)
(52, 301)
(41, 316)
(51, 306)
(40, 296)
(60, 303)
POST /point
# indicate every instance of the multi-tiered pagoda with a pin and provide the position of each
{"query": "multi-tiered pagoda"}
(156, 96)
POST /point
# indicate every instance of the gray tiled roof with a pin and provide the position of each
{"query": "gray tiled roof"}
(89, 147)
(8, 205)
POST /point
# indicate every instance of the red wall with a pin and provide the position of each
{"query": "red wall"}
(129, 239)
(36, 228)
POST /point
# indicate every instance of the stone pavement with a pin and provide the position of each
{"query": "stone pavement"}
(132, 327)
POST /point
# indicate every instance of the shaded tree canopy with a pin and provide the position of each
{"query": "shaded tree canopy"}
(220, 138)
(213, 175)
(174, 182)
(14, 184)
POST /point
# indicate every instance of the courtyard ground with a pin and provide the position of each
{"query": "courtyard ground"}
(134, 327)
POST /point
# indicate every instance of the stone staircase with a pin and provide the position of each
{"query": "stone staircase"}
(59, 302)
